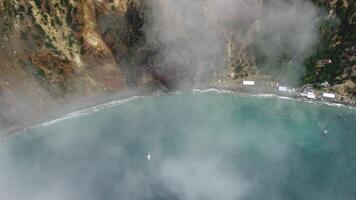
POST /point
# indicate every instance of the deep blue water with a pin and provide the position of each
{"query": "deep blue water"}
(204, 146)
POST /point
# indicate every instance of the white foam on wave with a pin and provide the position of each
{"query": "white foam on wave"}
(286, 98)
(316, 102)
(335, 104)
(262, 95)
(212, 90)
(90, 110)
(332, 104)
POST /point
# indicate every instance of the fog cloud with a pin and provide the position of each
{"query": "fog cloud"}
(194, 35)
(203, 147)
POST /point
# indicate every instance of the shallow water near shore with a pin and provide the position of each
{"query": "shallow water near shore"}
(206, 146)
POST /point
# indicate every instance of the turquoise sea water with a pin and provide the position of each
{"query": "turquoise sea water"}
(205, 146)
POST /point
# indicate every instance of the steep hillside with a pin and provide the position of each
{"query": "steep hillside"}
(338, 43)
(54, 51)
(329, 64)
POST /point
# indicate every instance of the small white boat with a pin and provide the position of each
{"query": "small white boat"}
(325, 133)
(149, 156)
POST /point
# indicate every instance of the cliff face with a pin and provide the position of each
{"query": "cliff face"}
(54, 51)
(338, 44)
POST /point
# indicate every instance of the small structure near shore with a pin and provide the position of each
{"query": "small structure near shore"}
(282, 88)
(248, 83)
(311, 95)
(325, 84)
(329, 95)
(285, 89)
(324, 62)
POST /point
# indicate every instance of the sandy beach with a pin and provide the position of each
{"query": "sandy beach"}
(70, 110)
(78, 105)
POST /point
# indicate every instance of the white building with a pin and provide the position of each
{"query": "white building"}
(282, 89)
(329, 95)
(325, 84)
(285, 89)
(248, 83)
(311, 95)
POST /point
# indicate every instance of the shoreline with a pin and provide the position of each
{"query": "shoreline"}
(94, 104)
(275, 95)
(77, 106)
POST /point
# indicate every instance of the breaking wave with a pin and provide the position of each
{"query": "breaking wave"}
(90, 110)
(218, 91)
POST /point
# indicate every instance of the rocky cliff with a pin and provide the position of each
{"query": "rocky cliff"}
(55, 51)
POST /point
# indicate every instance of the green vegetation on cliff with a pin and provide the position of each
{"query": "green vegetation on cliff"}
(337, 42)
